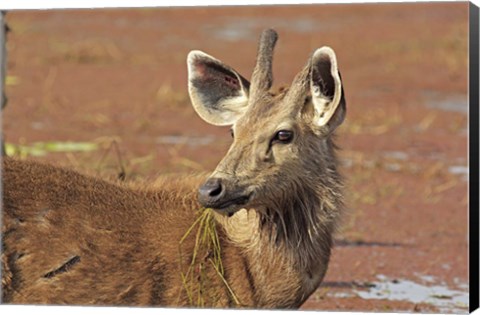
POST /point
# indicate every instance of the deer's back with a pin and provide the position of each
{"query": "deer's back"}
(74, 234)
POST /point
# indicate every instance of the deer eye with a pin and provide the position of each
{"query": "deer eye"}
(284, 136)
(231, 133)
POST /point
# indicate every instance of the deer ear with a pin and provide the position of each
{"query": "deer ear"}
(218, 93)
(326, 89)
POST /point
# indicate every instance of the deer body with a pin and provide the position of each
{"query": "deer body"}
(127, 242)
(74, 239)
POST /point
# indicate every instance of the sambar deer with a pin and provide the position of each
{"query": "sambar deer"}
(276, 198)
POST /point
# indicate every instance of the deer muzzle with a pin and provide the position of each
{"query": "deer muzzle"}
(215, 194)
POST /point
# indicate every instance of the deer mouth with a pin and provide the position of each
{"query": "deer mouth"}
(237, 201)
(230, 206)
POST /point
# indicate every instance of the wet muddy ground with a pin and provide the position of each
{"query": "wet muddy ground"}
(79, 81)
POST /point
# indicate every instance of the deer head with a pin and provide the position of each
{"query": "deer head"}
(281, 142)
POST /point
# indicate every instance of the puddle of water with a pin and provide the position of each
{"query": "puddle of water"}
(342, 295)
(247, 28)
(393, 167)
(346, 162)
(398, 155)
(190, 141)
(460, 284)
(451, 103)
(459, 170)
(233, 32)
(428, 279)
(439, 295)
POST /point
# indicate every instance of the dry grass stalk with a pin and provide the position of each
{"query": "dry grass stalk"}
(207, 250)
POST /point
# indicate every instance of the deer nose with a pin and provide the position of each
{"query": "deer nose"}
(211, 191)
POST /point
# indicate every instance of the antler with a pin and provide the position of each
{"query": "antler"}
(262, 73)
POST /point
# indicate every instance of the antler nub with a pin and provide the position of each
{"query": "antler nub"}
(262, 77)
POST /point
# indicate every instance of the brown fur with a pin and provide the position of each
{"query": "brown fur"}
(126, 239)
(75, 239)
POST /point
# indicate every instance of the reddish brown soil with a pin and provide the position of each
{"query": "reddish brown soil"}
(103, 75)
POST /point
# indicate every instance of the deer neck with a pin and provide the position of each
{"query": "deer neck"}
(278, 263)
